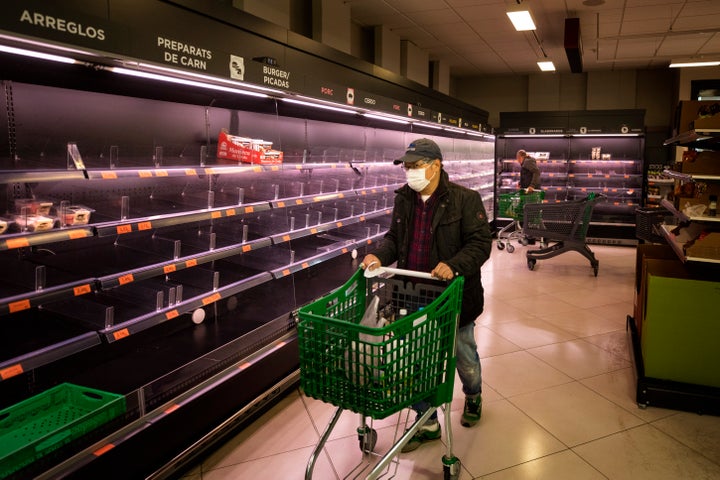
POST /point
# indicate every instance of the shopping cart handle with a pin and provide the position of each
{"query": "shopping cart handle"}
(398, 271)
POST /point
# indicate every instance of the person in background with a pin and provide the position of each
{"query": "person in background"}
(529, 172)
(440, 227)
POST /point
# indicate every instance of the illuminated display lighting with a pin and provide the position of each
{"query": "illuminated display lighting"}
(40, 55)
(183, 81)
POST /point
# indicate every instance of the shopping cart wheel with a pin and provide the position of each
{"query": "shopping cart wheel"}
(367, 439)
(500, 245)
(524, 241)
(510, 248)
(531, 263)
(451, 468)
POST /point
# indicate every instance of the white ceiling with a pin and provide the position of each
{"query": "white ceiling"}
(475, 37)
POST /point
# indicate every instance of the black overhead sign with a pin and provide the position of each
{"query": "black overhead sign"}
(131, 31)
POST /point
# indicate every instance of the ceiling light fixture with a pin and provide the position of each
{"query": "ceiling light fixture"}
(546, 65)
(694, 63)
(521, 18)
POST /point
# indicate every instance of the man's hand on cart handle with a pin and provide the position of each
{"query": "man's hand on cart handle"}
(370, 262)
(443, 272)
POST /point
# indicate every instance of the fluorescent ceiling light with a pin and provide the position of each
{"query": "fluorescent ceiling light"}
(694, 63)
(546, 65)
(521, 20)
(183, 81)
(30, 53)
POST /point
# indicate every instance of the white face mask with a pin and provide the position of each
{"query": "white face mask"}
(416, 179)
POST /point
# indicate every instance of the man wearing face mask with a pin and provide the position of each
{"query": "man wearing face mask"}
(440, 227)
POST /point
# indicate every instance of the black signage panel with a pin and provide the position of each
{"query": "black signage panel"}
(160, 33)
(59, 23)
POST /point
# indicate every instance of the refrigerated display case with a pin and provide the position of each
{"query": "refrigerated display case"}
(574, 165)
(170, 276)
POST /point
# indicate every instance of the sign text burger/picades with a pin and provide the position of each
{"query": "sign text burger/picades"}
(61, 25)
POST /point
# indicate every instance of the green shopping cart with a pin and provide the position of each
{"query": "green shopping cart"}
(378, 371)
(512, 205)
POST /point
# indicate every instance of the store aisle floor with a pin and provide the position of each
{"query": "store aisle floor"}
(558, 394)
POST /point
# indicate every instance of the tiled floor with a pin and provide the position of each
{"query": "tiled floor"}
(558, 394)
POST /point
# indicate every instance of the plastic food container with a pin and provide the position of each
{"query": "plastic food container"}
(32, 206)
(34, 223)
(76, 215)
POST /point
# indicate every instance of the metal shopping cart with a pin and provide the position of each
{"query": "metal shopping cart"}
(377, 372)
(511, 205)
(565, 223)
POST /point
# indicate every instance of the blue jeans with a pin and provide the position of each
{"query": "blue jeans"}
(468, 366)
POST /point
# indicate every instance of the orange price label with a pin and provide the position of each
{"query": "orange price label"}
(120, 334)
(286, 272)
(145, 173)
(230, 212)
(313, 230)
(103, 449)
(108, 175)
(305, 265)
(161, 173)
(246, 248)
(344, 250)
(191, 263)
(362, 218)
(171, 408)
(286, 238)
(169, 268)
(363, 192)
(257, 169)
(190, 171)
(11, 371)
(275, 168)
(125, 279)
(249, 209)
(215, 214)
(339, 224)
(244, 365)
(211, 299)
(124, 229)
(82, 290)
(298, 201)
(341, 195)
(74, 234)
(18, 306)
(145, 226)
(17, 243)
(172, 314)
(281, 204)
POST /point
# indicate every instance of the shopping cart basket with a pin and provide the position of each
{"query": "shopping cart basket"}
(377, 372)
(511, 205)
(565, 223)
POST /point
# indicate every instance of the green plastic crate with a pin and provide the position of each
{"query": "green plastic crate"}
(45, 422)
(385, 369)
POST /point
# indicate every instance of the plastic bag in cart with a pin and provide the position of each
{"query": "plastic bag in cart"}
(363, 357)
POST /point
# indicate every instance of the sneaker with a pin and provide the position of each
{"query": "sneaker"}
(429, 431)
(472, 411)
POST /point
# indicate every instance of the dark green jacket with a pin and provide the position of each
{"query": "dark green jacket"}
(461, 238)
